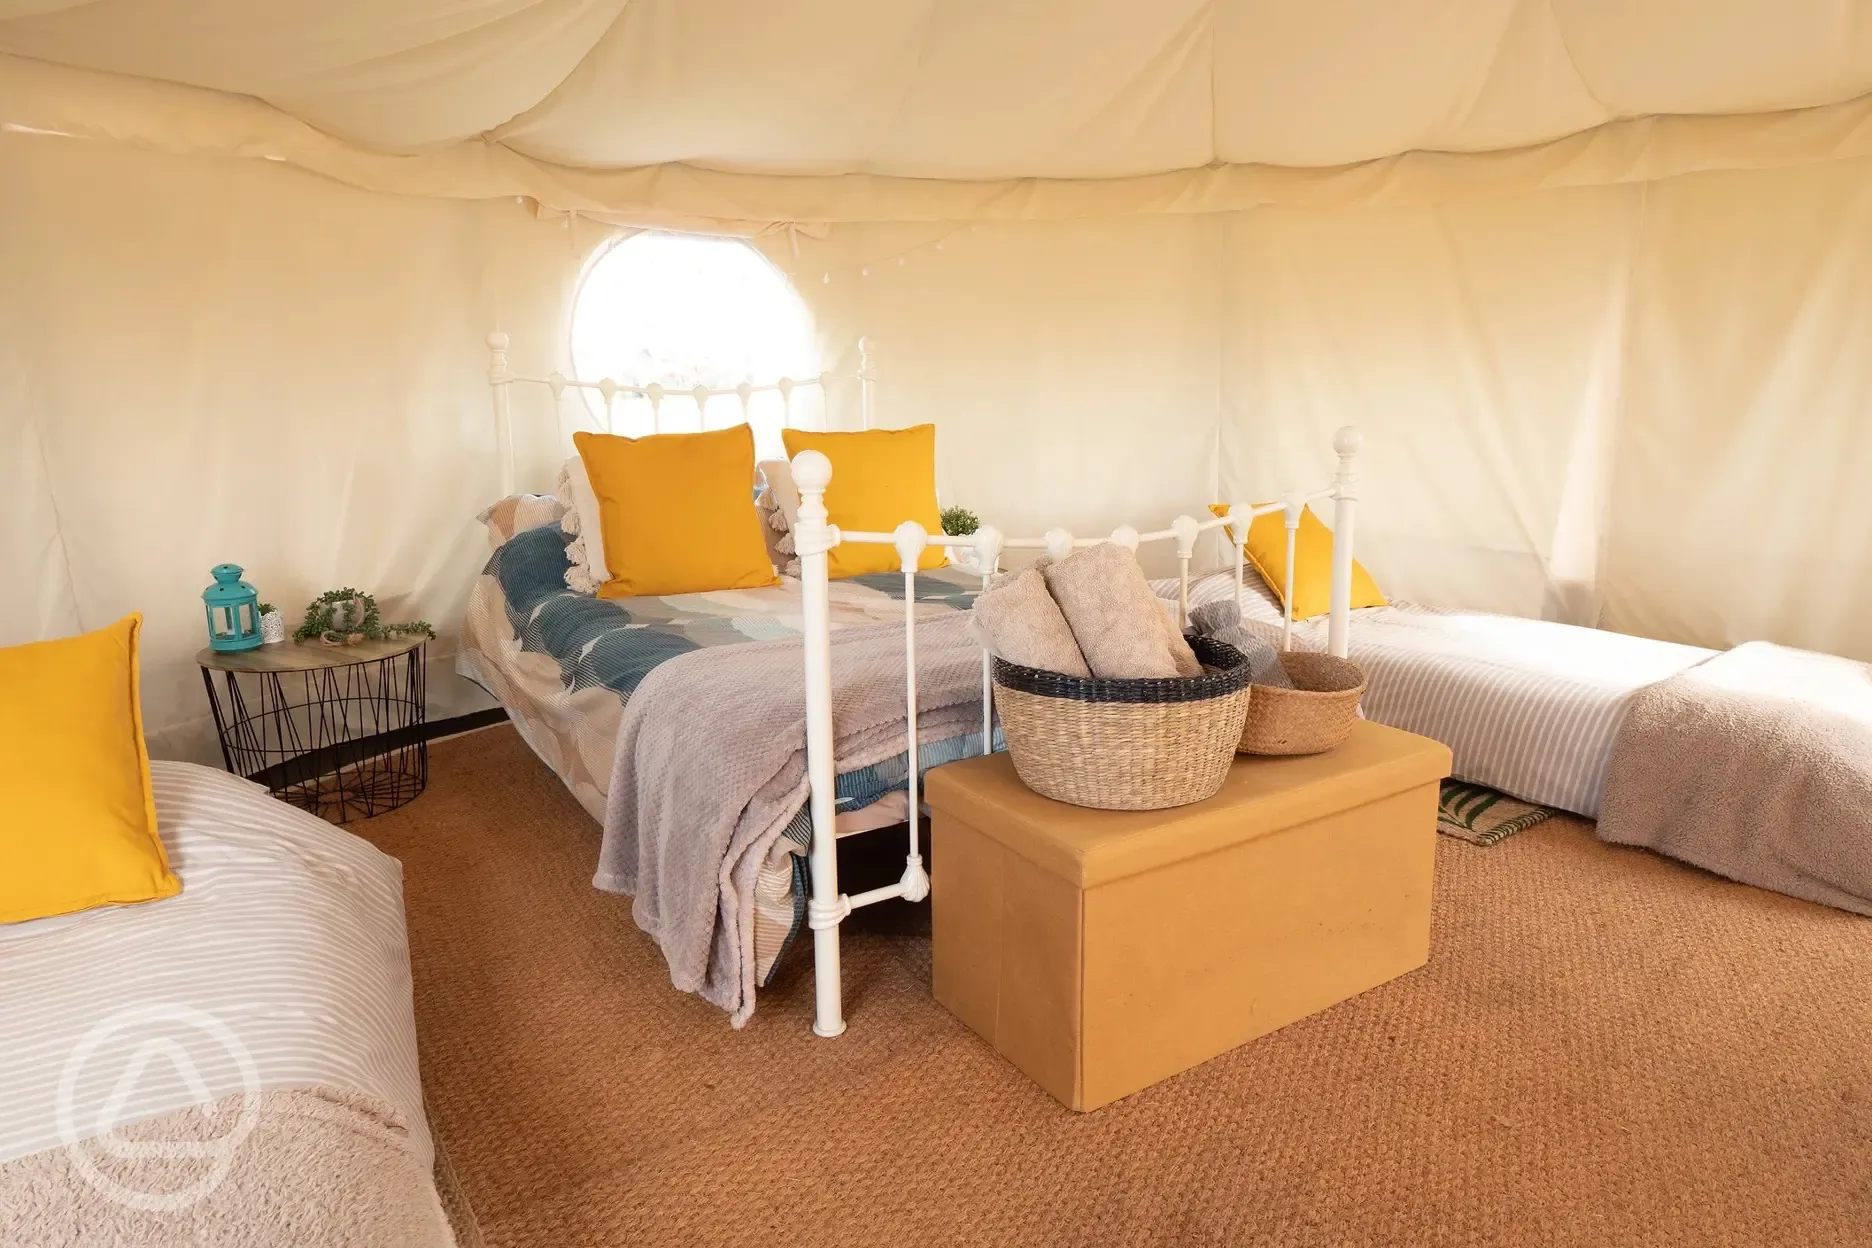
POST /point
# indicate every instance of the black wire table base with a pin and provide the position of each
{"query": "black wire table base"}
(344, 742)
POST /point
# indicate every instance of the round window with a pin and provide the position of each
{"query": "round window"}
(684, 310)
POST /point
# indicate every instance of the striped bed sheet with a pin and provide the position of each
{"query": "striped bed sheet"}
(285, 949)
(1529, 707)
(564, 665)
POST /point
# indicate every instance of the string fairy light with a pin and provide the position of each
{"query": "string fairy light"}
(900, 259)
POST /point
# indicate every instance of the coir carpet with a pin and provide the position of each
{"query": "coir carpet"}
(1606, 1048)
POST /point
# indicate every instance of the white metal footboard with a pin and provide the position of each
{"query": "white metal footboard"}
(814, 537)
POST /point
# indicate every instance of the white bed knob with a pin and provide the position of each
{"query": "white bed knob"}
(1187, 530)
(1348, 440)
(1126, 536)
(1059, 543)
(987, 547)
(1293, 506)
(812, 472)
(910, 538)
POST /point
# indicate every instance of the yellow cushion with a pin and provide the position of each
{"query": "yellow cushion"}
(677, 511)
(1266, 549)
(880, 478)
(77, 816)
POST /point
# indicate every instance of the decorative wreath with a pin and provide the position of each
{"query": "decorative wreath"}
(345, 617)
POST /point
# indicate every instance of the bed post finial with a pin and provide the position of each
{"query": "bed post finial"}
(500, 378)
(867, 383)
(1347, 443)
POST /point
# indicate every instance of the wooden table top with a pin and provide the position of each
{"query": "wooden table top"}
(305, 656)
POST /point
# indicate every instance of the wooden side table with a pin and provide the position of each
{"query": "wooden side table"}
(337, 730)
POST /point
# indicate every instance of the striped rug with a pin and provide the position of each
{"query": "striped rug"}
(1482, 816)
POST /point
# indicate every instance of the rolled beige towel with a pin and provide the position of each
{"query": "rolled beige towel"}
(1017, 619)
(1118, 622)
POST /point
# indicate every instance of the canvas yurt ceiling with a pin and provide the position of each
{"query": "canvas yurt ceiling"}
(531, 96)
(1594, 276)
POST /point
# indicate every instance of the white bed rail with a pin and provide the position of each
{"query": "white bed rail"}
(814, 538)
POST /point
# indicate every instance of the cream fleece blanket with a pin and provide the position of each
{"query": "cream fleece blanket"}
(309, 1167)
(1757, 765)
(711, 767)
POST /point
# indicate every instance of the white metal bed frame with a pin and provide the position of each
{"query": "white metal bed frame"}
(814, 538)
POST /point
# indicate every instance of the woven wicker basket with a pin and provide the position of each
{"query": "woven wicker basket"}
(1125, 744)
(1314, 716)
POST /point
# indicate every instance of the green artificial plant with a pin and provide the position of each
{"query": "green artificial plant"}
(339, 614)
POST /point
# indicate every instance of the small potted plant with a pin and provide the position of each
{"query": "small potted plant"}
(960, 522)
(272, 625)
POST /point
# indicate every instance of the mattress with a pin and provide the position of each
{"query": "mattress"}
(282, 963)
(564, 665)
(1529, 707)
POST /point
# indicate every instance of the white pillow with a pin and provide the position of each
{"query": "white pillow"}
(583, 504)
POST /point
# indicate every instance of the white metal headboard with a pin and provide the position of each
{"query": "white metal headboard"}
(502, 378)
(814, 538)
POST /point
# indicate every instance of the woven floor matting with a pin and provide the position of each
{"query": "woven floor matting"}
(1606, 1048)
(1483, 816)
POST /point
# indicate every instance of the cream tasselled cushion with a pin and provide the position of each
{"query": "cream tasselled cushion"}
(589, 568)
(778, 474)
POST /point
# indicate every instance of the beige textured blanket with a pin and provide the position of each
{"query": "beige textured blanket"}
(711, 766)
(310, 1167)
(1757, 765)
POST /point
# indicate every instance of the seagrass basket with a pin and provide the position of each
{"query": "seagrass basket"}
(1314, 716)
(1125, 744)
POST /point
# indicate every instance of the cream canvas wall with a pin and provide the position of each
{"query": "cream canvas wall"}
(209, 360)
(1618, 403)
(1070, 367)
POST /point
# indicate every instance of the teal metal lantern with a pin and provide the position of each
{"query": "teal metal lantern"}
(233, 610)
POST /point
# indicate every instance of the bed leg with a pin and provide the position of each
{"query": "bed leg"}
(827, 907)
(912, 538)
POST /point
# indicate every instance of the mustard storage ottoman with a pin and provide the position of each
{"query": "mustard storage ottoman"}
(1101, 951)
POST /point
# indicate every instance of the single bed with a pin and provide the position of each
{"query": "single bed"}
(1529, 707)
(280, 970)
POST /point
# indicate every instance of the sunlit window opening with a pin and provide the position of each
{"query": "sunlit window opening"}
(683, 310)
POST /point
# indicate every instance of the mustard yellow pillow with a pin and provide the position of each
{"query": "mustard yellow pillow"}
(77, 816)
(1266, 549)
(677, 511)
(880, 478)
